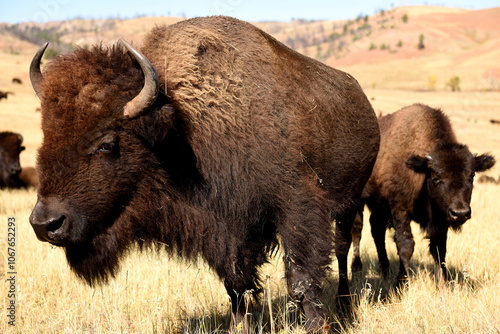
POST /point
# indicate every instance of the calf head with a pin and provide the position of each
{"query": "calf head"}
(96, 152)
(450, 170)
(10, 148)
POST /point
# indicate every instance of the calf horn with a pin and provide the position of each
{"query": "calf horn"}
(36, 76)
(149, 92)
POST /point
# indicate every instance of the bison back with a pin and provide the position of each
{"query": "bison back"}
(241, 92)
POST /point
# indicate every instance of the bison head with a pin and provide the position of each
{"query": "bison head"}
(10, 147)
(450, 170)
(100, 114)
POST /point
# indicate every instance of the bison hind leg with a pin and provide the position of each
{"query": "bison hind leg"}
(357, 228)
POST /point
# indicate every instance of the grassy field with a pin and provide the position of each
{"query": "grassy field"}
(156, 294)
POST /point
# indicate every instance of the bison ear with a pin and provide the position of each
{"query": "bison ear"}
(418, 164)
(484, 162)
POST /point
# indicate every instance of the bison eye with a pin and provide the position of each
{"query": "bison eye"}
(106, 148)
(436, 180)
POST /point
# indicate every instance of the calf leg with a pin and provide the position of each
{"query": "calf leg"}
(357, 228)
(378, 223)
(343, 239)
(404, 242)
(437, 248)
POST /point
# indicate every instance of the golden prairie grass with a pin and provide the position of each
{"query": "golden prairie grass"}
(156, 294)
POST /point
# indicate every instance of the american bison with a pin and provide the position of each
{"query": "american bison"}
(10, 147)
(240, 140)
(423, 174)
(4, 95)
(11, 173)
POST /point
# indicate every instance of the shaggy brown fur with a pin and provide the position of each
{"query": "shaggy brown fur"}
(423, 174)
(249, 140)
(10, 147)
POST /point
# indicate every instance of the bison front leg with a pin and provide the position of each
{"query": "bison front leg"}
(404, 242)
(306, 236)
(437, 248)
(378, 222)
(239, 319)
(306, 291)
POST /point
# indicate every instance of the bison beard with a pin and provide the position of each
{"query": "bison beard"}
(97, 260)
(247, 141)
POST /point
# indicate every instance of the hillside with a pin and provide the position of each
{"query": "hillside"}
(379, 50)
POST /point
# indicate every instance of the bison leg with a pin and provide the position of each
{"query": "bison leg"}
(306, 236)
(437, 249)
(306, 291)
(404, 242)
(357, 228)
(378, 223)
(343, 239)
(239, 319)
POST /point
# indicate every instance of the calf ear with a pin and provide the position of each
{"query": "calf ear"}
(484, 162)
(418, 164)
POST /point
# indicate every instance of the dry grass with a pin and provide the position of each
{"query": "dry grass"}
(156, 294)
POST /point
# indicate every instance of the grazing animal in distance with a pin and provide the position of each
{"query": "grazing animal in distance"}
(238, 141)
(10, 148)
(422, 174)
(17, 81)
(4, 95)
(29, 177)
(488, 179)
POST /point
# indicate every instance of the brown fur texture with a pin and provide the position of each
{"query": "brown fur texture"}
(248, 141)
(423, 174)
(10, 148)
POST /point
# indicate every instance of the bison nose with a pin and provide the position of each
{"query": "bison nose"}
(49, 226)
(459, 214)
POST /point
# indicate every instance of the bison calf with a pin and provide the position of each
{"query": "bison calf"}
(240, 140)
(423, 174)
(10, 147)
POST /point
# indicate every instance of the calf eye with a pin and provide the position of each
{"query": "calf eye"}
(106, 148)
(472, 177)
(21, 148)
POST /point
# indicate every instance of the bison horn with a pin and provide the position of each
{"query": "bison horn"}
(36, 76)
(149, 92)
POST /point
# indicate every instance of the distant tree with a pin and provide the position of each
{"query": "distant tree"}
(421, 45)
(454, 84)
(431, 82)
(400, 44)
(405, 18)
(372, 47)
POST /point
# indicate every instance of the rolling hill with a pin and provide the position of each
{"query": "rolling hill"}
(381, 50)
